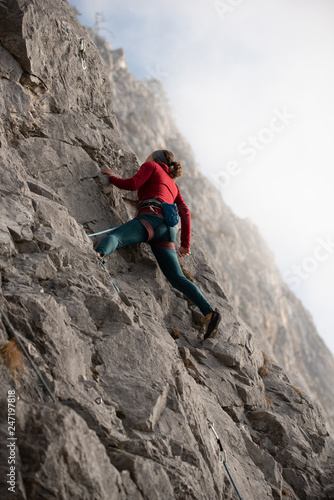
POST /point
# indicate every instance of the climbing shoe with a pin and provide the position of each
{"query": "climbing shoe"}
(100, 259)
(211, 325)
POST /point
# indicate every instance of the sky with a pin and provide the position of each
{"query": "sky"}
(250, 83)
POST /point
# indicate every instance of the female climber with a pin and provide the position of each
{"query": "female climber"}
(155, 184)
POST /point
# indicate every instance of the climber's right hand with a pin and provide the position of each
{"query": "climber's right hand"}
(183, 252)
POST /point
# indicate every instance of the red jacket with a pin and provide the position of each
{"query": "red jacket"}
(153, 179)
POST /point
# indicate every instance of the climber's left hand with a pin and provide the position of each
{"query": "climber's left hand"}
(107, 171)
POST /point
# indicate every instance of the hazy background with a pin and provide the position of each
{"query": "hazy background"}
(251, 84)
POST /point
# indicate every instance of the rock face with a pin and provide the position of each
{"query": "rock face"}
(135, 388)
(246, 266)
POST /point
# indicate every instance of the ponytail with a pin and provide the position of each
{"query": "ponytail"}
(175, 167)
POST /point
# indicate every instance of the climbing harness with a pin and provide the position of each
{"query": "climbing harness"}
(101, 232)
(168, 211)
(147, 226)
(11, 328)
(83, 53)
(101, 262)
(222, 454)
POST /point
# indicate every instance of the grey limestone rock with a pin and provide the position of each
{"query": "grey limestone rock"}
(245, 264)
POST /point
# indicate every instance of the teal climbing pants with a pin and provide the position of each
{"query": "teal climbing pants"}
(134, 232)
